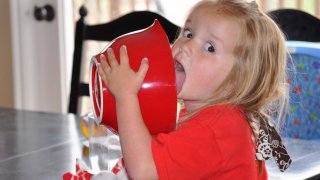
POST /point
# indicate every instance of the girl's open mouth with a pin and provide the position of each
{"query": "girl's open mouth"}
(178, 66)
(180, 75)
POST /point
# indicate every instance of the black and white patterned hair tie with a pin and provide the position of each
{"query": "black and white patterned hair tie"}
(269, 145)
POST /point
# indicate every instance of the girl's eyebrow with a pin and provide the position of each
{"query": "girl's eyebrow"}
(188, 21)
(216, 38)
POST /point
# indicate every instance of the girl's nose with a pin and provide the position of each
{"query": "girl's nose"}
(186, 48)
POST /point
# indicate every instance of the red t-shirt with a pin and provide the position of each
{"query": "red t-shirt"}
(215, 144)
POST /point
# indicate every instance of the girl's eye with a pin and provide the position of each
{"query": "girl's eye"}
(209, 47)
(187, 33)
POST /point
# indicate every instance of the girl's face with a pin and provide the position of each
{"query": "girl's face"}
(203, 55)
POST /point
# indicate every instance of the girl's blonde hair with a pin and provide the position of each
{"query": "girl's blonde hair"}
(259, 73)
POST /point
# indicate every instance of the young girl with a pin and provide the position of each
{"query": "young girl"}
(230, 62)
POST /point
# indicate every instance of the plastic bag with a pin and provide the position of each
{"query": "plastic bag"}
(104, 160)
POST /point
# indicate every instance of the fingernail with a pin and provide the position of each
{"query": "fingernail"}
(145, 60)
(109, 50)
(102, 57)
(124, 47)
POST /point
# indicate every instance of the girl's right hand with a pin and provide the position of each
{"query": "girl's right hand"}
(119, 78)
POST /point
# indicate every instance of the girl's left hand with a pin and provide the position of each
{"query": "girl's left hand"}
(119, 78)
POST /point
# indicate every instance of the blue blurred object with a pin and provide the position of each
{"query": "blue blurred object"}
(303, 120)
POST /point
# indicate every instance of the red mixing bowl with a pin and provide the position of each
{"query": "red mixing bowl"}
(157, 96)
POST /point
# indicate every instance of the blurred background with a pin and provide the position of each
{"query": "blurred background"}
(36, 54)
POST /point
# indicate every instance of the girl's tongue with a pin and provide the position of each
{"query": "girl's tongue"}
(180, 76)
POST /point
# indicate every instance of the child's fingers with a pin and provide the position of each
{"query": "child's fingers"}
(124, 59)
(104, 64)
(101, 72)
(112, 59)
(143, 69)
